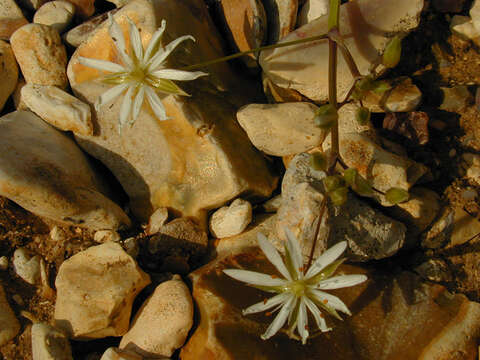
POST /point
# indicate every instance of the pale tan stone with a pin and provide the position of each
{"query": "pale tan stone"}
(231, 220)
(95, 291)
(8, 72)
(27, 266)
(11, 18)
(102, 236)
(157, 220)
(58, 108)
(9, 325)
(49, 343)
(162, 324)
(311, 10)
(80, 33)
(57, 14)
(281, 17)
(117, 354)
(41, 55)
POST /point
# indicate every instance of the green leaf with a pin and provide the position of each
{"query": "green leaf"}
(326, 116)
(396, 195)
(318, 161)
(357, 182)
(332, 182)
(339, 195)
(393, 52)
(362, 115)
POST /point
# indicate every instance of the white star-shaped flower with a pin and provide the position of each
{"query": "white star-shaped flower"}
(299, 290)
(142, 72)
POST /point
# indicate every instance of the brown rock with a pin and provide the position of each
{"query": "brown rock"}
(9, 325)
(11, 18)
(8, 72)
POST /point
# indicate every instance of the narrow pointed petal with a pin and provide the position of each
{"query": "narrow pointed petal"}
(254, 278)
(272, 255)
(329, 256)
(135, 40)
(138, 102)
(154, 42)
(156, 104)
(101, 64)
(126, 108)
(160, 57)
(280, 319)
(302, 323)
(331, 301)
(341, 281)
(317, 315)
(294, 252)
(117, 37)
(179, 75)
(110, 94)
(265, 305)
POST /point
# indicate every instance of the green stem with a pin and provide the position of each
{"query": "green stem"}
(261, 48)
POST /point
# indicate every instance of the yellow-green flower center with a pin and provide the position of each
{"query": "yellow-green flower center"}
(296, 287)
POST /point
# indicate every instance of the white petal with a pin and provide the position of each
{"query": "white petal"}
(101, 64)
(302, 322)
(280, 319)
(254, 278)
(321, 323)
(137, 102)
(329, 256)
(117, 37)
(110, 94)
(265, 305)
(331, 300)
(160, 57)
(156, 104)
(157, 36)
(341, 281)
(126, 108)
(180, 75)
(135, 39)
(272, 255)
(295, 252)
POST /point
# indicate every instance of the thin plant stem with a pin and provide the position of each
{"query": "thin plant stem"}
(317, 230)
(261, 48)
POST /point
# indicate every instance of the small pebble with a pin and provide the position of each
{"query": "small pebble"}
(469, 194)
(18, 299)
(452, 153)
(3, 263)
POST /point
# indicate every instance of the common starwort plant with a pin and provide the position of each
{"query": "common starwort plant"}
(142, 73)
(300, 289)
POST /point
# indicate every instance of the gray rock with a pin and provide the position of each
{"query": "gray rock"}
(49, 343)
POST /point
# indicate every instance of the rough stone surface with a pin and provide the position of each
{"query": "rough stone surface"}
(231, 220)
(272, 205)
(281, 129)
(95, 291)
(102, 236)
(41, 55)
(8, 72)
(84, 8)
(162, 324)
(80, 33)
(45, 172)
(58, 108)
(11, 18)
(440, 230)
(27, 266)
(311, 10)
(156, 221)
(49, 343)
(281, 18)
(472, 166)
(206, 159)
(57, 14)
(418, 320)
(367, 23)
(117, 354)
(9, 325)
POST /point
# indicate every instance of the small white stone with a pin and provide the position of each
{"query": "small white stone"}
(231, 220)
(49, 343)
(57, 234)
(57, 14)
(27, 266)
(9, 325)
(157, 220)
(102, 236)
(3, 263)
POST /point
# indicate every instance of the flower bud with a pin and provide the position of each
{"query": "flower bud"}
(357, 183)
(326, 116)
(393, 52)
(362, 115)
(339, 195)
(332, 182)
(379, 87)
(318, 161)
(396, 195)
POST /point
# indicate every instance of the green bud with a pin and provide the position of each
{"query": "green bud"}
(339, 195)
(365, 84)
(350, 176)
(357, 183)
(396, 195)
(332, 182)
(393, 52)
(318, 161)
(362, 115)
(326, 116)
(357, 94)
(379, 87)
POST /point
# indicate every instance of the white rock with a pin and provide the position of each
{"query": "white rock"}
(281, 129)
(58, 108)
(157, 220)
(8, 72)
(27, 266)
(41, 55)
(57, 234)
(9, 325)
(102, 236)
(311, 10)
(117, 354)
(162, 324)
(304, 67)
(45, 172)
(49, 343)
(231, 220)
(463, 27)
(95, 291)
(3, 263)
(57, 14)
(11, 18)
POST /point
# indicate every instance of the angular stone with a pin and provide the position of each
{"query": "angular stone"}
(311, 10)
(156, 221)
(49, 343)
(455, 99)
(95, 291)
(464, 28)
(162, 324)
(102, 236)
(26, 266)
(80, 33)
(465, 227)
(219, 162)
(281, 18)
(9, 325)
(11, 18)
(440, 231)
(57, 14)
(231, 220)
(281, 129)
(8, 72)
(368, 24)
(418, 320)
(117, 354)
(58, 108)
(45, 172)
(40, 54)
